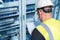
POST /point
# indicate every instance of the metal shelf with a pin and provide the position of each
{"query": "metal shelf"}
(3, 10)
(6, 21)
(5, 1)
(30, 7)
(9, 28)
(9, 33)
(30, 12)
(9, 16)
(11, 25)
(9, 4)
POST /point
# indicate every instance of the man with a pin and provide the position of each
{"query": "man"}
(49, 29)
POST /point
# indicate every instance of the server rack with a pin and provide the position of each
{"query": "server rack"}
(9, 20)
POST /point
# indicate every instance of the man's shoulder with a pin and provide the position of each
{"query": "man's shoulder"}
(57, 21)
(52, 21)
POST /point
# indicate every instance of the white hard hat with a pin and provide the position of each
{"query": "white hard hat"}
(43, 3)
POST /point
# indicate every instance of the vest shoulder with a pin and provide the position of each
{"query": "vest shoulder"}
(38, 26)
(57, 21)
(52, 22)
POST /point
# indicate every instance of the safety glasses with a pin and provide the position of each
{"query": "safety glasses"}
(47, 10)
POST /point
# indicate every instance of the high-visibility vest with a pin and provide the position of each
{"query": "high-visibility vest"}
(50, 29)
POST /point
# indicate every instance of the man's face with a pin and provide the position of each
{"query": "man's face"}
(45, 13)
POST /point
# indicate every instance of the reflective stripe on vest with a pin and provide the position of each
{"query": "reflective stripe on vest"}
(48, 31)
